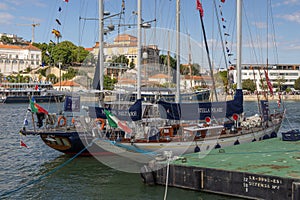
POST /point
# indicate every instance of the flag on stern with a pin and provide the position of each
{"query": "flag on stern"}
(22, 144)
(36, 108)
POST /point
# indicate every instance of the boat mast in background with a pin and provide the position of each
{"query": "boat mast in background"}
(178, 51)
(139, 43)
(101, 53)
(239, 43)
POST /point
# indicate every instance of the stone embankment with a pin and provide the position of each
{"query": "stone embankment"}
(273, 98)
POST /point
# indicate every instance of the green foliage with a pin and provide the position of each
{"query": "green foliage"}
(52, 78)
(249, 85)
(6, 40)
(109, 83)
(168, 85)
(288, 89)
(279, 83)
(42, 71)
(18, 79)
(65, 52)
(27, 70)
(297, 84)
(186, 69)
(223, 76)
(70, 74)
(131, 64)
(121, 59)
(163, 59)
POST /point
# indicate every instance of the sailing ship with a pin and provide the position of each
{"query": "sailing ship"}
(145, 127)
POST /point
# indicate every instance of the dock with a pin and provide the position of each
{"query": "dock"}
(267, 169)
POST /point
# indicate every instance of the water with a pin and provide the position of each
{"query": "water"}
(83, 177)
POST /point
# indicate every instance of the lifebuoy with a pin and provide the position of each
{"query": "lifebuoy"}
(102, 121)
(64, 121)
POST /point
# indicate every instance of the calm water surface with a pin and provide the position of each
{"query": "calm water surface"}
(84, 177)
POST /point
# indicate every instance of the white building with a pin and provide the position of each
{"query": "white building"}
(15, 58)
(285, 74)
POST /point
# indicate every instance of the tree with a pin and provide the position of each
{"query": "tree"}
(71, 73)
(297, 84)
(121, 59)
(65, 52)
(52, 78)
(163, 59)
(279, 82)
(6, 40)
(249, 85)
(109, 83)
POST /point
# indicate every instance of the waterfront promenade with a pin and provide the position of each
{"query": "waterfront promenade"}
(287, 97)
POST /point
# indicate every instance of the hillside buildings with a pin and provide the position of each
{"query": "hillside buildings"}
(280, 75)
(16, 58)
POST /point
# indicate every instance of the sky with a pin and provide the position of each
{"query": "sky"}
(274, 38)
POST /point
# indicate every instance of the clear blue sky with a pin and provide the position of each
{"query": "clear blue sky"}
(285, 23)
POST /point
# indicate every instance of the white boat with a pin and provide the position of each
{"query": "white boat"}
(180, 132)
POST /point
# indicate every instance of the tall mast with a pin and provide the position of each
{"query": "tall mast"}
(139, 48)
(101, 53)
(239, 43)
(178, 51)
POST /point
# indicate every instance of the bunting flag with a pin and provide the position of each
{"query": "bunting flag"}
(52, 42)
(269, 82)
(58, 22)
(200, 8)
(56, 33)
(123, 5)
(279, 100)
(114, 122)
(66, 1)
(36, 108)
(223, 1)
(59, 9)
(22, 144)
(47, 53)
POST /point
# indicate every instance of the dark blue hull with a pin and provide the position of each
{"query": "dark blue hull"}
(71, 143)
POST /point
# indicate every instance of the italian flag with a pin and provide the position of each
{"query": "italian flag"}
(114, 122)
(36, 108)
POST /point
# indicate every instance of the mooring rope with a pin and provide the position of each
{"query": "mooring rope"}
(167, 179)
(49, 173)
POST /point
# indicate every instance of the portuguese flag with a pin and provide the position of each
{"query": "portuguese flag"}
(36, 108)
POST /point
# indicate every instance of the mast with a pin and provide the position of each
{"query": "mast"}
(239, 43)
(101, 52)
(178, 51)
(139, 48)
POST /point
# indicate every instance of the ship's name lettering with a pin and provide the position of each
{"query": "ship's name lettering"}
(210, 110)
